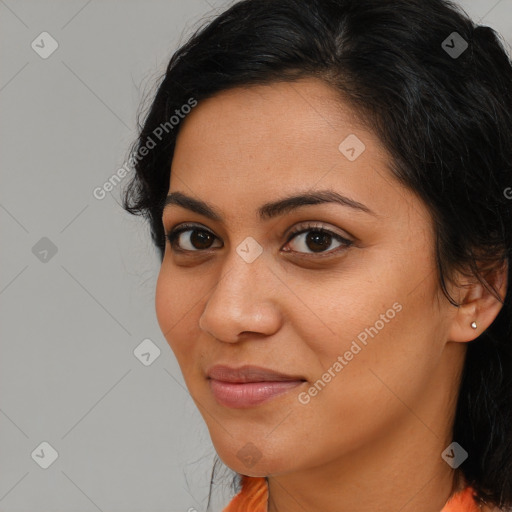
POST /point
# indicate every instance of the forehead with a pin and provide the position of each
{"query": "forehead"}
(253, 144)
(290, 112)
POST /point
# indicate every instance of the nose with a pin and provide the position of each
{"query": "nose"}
(242, 301)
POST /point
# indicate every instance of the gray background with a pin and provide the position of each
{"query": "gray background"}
(128, 436)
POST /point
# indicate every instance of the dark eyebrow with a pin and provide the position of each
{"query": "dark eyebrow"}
(271, 209)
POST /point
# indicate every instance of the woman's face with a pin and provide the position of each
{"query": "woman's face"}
(359, 320)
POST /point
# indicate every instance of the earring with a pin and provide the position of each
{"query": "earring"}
(473, 324)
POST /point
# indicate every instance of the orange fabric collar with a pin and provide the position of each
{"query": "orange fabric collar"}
(253, 497)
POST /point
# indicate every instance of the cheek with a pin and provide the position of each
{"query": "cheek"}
(383, 333)
(333, 314)
(174, 309)
(388, 355)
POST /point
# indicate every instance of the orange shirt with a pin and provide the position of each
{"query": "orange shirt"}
(253, 497)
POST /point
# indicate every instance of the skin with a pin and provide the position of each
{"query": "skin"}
(372, 438)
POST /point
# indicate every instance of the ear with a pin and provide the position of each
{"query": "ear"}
(478, 304)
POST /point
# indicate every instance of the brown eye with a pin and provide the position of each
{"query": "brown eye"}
(198, 239)
(312, 239)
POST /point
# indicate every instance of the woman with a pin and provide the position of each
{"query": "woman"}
(329, 183)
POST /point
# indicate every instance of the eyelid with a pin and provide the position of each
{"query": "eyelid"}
(176, 231)
(311, 226)
(303, 227)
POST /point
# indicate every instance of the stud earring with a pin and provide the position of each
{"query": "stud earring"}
(473, 324)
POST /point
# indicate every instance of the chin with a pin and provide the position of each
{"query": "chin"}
(249, 460)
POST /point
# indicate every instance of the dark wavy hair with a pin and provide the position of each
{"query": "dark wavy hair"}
(445, 119)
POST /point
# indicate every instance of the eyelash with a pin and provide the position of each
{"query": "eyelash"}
(173, 235)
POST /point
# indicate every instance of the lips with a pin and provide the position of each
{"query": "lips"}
(249, 373)
(249, 386)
